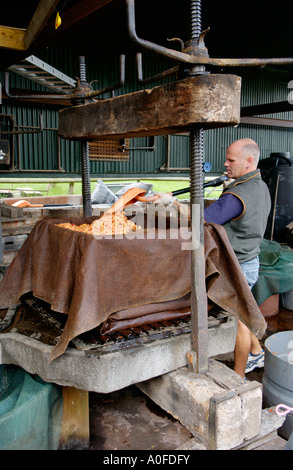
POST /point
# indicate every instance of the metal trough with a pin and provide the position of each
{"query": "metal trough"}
(278, 375)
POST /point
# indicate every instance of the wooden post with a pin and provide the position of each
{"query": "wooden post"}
(198, 356)
(75, 433)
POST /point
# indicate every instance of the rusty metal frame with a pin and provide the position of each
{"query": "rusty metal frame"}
(197, 53)
(16, 166)
(82, 91)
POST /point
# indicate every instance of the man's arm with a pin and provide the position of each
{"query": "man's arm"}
(222, 210)
(226, 208)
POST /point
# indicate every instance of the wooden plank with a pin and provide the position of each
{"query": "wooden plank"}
(11, 211)
(267, 108)
(209, 100)
(44, 10)
(12, 38)
(81, 10)
(261, 121)
(75, 420)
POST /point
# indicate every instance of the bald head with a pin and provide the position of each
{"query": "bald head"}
(249, 148)
(242, 157)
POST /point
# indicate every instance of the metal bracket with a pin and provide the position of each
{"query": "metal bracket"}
(150, 147)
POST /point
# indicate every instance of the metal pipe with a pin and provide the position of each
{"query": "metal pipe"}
(243, 62)
(18, 168)
(11, 143)
(160, 76)
(37, 131)
(172, 54)
(31, 171)
(150, 148)
(30, 96)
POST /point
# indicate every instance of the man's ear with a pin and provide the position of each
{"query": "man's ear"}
(249, 161)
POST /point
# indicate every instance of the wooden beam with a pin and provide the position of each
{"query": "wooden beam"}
(22, 39)
(44, 11)
(81, 10)
(75, 430)
(43, 29)
(12, 38)
(209, 100)
(260, 121)
(267, 108)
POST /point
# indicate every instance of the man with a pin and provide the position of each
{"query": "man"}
(243, 210)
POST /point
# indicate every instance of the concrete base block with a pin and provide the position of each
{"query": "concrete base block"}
(104, 371)
(217, 406)
(86, 370)
(270, 423)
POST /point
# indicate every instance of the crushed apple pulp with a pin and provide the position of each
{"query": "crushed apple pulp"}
(115, 223)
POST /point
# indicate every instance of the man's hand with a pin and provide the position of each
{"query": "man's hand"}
(164, 198)
(168, 199)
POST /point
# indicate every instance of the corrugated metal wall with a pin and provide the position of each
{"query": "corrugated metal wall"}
(39, 153)
(259, 86)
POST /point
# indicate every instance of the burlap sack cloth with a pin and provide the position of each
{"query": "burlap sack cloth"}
(89, 279)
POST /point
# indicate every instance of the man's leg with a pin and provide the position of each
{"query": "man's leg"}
(255, 345)
(242, 348)
(246, 342)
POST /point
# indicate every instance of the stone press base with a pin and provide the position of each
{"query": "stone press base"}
(222, 410)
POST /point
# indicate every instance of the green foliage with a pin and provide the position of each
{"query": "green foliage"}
(58, 189)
